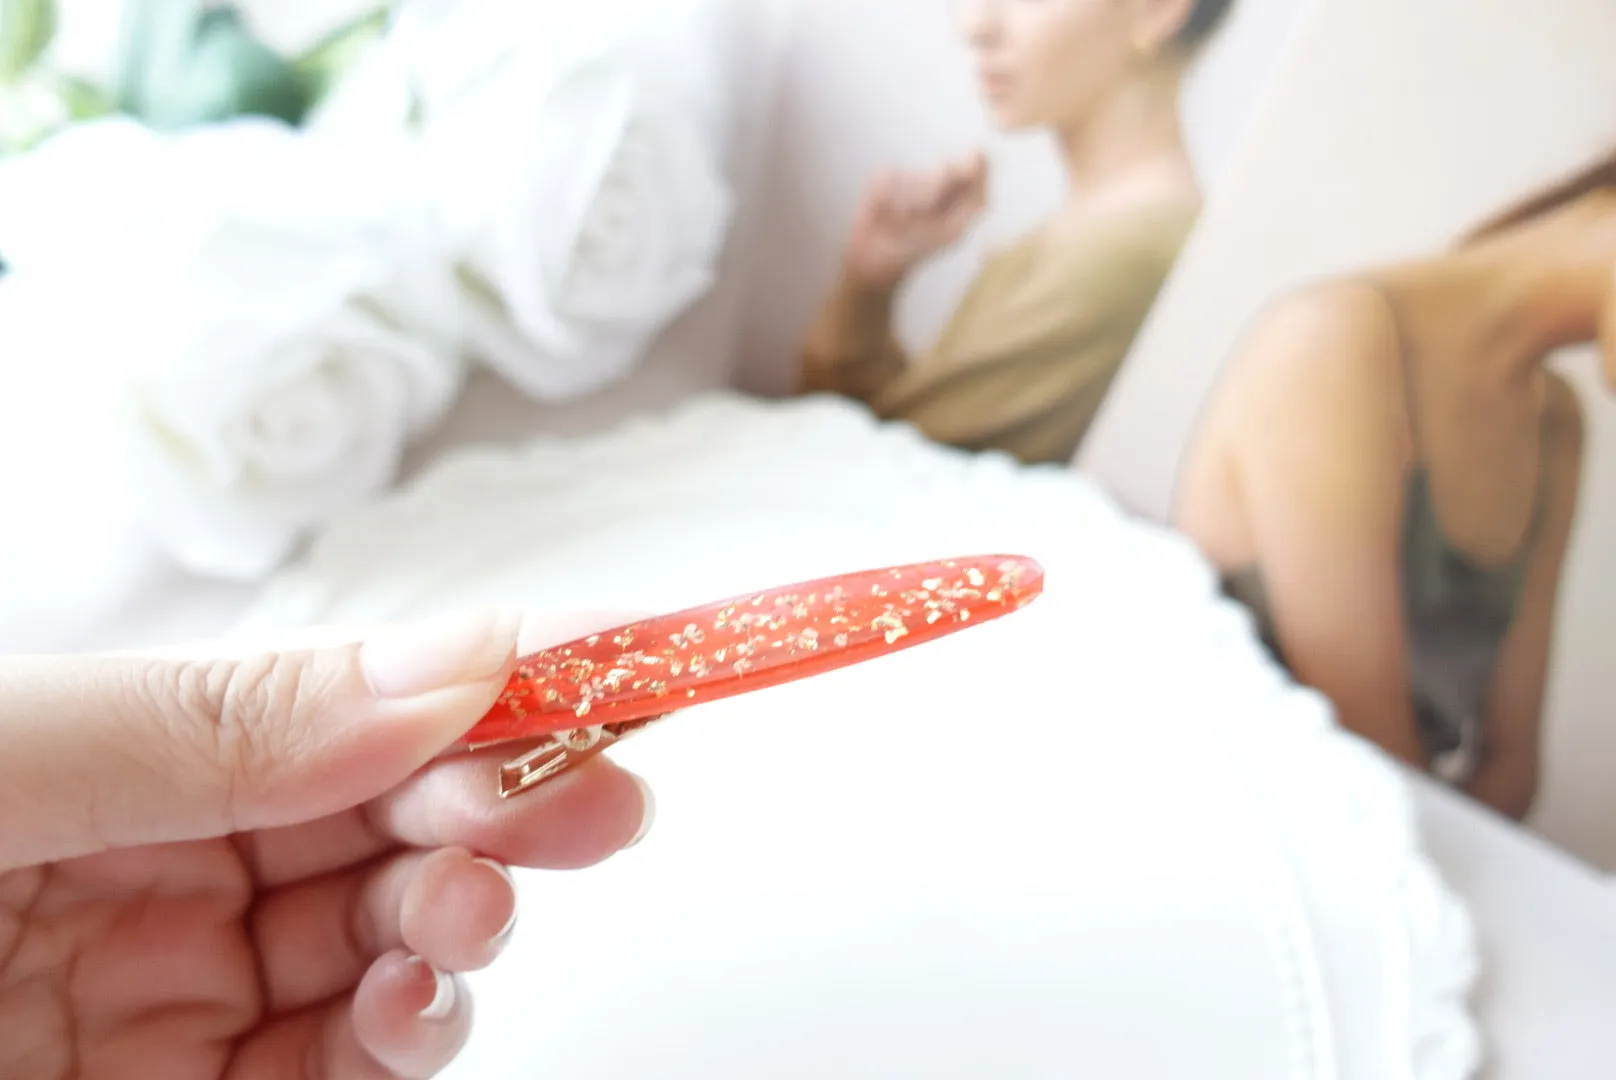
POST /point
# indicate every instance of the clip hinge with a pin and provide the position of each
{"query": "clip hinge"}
(562, 751)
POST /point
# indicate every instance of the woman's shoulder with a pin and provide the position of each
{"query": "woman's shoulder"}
(1151, 230)
(1324, 337)
(1321, 366)
(1122, 254)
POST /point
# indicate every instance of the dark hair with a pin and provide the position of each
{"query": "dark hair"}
(1595, 177)
(1205, 16)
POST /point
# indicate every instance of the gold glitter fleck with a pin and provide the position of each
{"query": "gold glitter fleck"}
(974, 576)
(741, 667)
(890, 623)
(932, 584)
(592, 640)
(841, 641)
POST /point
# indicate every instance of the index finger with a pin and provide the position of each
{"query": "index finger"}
(581, 817)
(454, 800)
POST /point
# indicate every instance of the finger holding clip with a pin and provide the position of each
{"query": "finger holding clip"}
(577, 700)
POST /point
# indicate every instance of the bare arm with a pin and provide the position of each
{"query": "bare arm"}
(1507, 778)
(1321, 467)
(901, 221)
(851, 349)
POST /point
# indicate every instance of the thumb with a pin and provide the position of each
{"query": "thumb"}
(105, 752)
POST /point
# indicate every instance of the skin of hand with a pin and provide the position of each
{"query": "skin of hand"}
(267, 865)
(904, 218)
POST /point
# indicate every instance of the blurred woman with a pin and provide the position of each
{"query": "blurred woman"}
(1028, 356)
(1387, 475)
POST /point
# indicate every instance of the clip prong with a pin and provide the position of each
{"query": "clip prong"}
(564, 750)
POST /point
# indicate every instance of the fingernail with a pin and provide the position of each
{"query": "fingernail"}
(650, 812)
(443, 998)
(409, 661)
(510, 923)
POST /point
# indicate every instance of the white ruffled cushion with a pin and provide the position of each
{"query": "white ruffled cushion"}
(1104, 837)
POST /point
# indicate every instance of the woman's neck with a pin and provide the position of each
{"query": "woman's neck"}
(1130, 147)
(1542, 285)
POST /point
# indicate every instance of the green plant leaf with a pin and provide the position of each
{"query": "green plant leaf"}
(183, 66)
(31, 110)
(27, 28)
(324, 64)
(83, 100)
(155, 38)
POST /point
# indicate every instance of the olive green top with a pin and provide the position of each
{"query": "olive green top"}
(1027, 358)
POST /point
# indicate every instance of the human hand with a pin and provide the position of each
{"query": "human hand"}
(906, 217)
(266, 867)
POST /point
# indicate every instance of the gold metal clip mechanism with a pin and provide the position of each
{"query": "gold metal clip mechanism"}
(564, 750)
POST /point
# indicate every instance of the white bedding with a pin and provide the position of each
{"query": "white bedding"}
(1102, 837)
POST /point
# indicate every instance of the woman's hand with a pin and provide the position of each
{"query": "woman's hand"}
(263, 867)
(907, 217)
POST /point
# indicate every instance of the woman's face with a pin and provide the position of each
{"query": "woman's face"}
(1050, 63)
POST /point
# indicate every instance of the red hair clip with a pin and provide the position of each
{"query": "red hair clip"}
(585, 696)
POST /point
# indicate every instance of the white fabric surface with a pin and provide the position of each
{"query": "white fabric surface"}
(1548, 941)
(1103, 837)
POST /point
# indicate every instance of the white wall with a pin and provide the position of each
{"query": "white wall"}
(870, 85)
(1395, 125)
